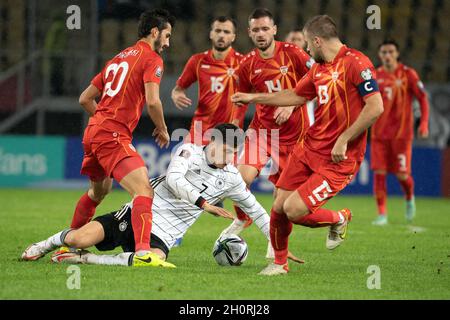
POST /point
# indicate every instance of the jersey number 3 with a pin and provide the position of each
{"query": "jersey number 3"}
(122, 69)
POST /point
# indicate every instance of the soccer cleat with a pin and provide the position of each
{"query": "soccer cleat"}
(150, 259)
(274, 269)
(338, 231)
(69, 255)
(410, 210)
(34, 252)
(381, 220)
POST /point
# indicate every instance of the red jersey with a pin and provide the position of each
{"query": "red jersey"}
(280, 72)
(122, 85)
(398, 89)
(340, 87)
(216, 83)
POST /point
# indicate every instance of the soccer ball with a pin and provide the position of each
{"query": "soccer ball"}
(230, 250)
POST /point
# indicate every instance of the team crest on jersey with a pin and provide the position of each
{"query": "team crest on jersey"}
(123, 226)
(158, 72)
(366, 74)
(185, 154)
(284, 70)
(220, 183)
(230, 71)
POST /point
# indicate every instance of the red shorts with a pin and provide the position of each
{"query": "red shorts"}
(103, 150)
(258, 151)
(316, 179)
(393, 156)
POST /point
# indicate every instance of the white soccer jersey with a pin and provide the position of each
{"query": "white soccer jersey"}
(189, 177)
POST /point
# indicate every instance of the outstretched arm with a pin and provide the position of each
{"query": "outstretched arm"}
(283, 98)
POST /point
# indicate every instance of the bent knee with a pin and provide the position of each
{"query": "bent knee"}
(145, 190)
(402, 176)
(73, 239)
(294, 210)
(278, 205)
(98, 194)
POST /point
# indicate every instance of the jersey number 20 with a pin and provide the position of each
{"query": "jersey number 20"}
(115, 68)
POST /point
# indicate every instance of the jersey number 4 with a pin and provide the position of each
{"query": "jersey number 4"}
(120, 69)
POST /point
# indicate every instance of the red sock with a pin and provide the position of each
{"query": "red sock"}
(141, 220)
(280, 229)
(320, 218)
(379, 189)
(242, 216)
(408, 187)
(84, 211)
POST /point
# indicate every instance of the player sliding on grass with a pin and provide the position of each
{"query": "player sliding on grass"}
(197, 178)
(343, 80)
(128, 80)
(393, 133)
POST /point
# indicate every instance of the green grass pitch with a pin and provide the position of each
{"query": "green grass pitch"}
(414, 262)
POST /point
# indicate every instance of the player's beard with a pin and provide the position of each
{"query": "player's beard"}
(264, 48)
(158, 46)
(221, 49)
(318, 57)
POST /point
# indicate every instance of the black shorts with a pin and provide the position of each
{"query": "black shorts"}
(119, 233)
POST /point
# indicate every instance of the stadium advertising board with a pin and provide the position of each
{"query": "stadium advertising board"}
(426, 164)
(28, 160)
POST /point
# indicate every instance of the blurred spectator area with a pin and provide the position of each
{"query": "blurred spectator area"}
(44, 66)
(420, 26)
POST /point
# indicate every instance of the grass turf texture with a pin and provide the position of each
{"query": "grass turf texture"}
(414, 263)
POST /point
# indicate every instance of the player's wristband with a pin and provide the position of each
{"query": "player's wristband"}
(200, 202)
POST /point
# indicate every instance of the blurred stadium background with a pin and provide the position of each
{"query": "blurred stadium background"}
(44, 67)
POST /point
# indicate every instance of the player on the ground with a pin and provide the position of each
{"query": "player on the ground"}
(343, 80)
(272, 66)
(214, 70)
(127, 81)
(296, 37)
(393, 133)
(196, 179)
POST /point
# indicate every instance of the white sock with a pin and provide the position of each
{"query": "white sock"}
(55, 241)
(121, 259)
(235, 227)
(341, 218)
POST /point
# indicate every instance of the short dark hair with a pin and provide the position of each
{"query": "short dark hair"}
(321, 26)
(150, 19)
(260, 13)
(225, 19)
(229, 134)
(389, 41)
